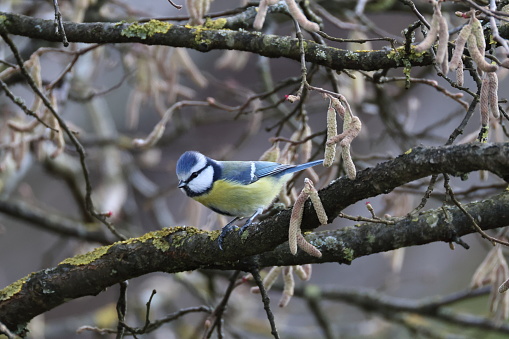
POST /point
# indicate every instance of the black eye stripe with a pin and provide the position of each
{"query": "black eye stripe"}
(195, 174)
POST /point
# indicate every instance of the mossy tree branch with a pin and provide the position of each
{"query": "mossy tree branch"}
(186, 248)
(212, 36)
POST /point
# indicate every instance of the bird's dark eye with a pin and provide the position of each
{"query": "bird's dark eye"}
(194, 175)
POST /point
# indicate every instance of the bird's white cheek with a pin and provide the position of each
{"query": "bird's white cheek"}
(203, 181)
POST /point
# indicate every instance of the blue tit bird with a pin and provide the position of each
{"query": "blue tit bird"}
(234, 188)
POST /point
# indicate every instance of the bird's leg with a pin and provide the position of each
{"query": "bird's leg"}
(226, 229)
(250, 220)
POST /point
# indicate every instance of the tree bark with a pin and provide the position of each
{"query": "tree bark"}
(179, 249)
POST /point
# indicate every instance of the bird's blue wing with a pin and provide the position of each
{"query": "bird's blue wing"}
(242, 172)
(263, 169)
(247, 172)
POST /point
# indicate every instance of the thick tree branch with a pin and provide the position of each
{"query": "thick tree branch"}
(446, 224)
(186, 248)
(213, 35)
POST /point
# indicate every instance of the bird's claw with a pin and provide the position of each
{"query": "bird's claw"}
(244, 227)
(227, 229)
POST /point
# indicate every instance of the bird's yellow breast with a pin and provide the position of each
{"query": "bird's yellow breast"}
(242, 200)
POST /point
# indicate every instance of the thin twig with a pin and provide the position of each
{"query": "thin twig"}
(147, 314)
(152, 326)
(459, 130)
(175, 5)
(66, 70)
(418, 14)
(226, 13)
(373, 220)
(452, 137)
(282, 121)
(494, 28)
(59, 26)
(474, 223)
(6, 63)
(323, 90)
(281, 85)
(217, 315)
(175, 315)
(266, 301)
(297, 142)
(321, 317)
(121, 309)
(18, 101)
(410, 35)
(103, 92)
(433, 83)
(488, 12)
(303, 69)
(360, 41)
(427, 194)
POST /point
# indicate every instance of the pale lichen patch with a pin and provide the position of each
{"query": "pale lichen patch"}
(215, 24)
(161, 244)
(150, 235)
(400, 54)
(148, 29)
(244, 235)
(87, 258)
(214, 235)
(348, 253)
(432, 220)
(157, 238)
(13, 288)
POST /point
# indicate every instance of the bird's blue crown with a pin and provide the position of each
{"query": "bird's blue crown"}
(187, 161)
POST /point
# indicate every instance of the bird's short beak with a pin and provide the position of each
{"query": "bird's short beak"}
(182, 184)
